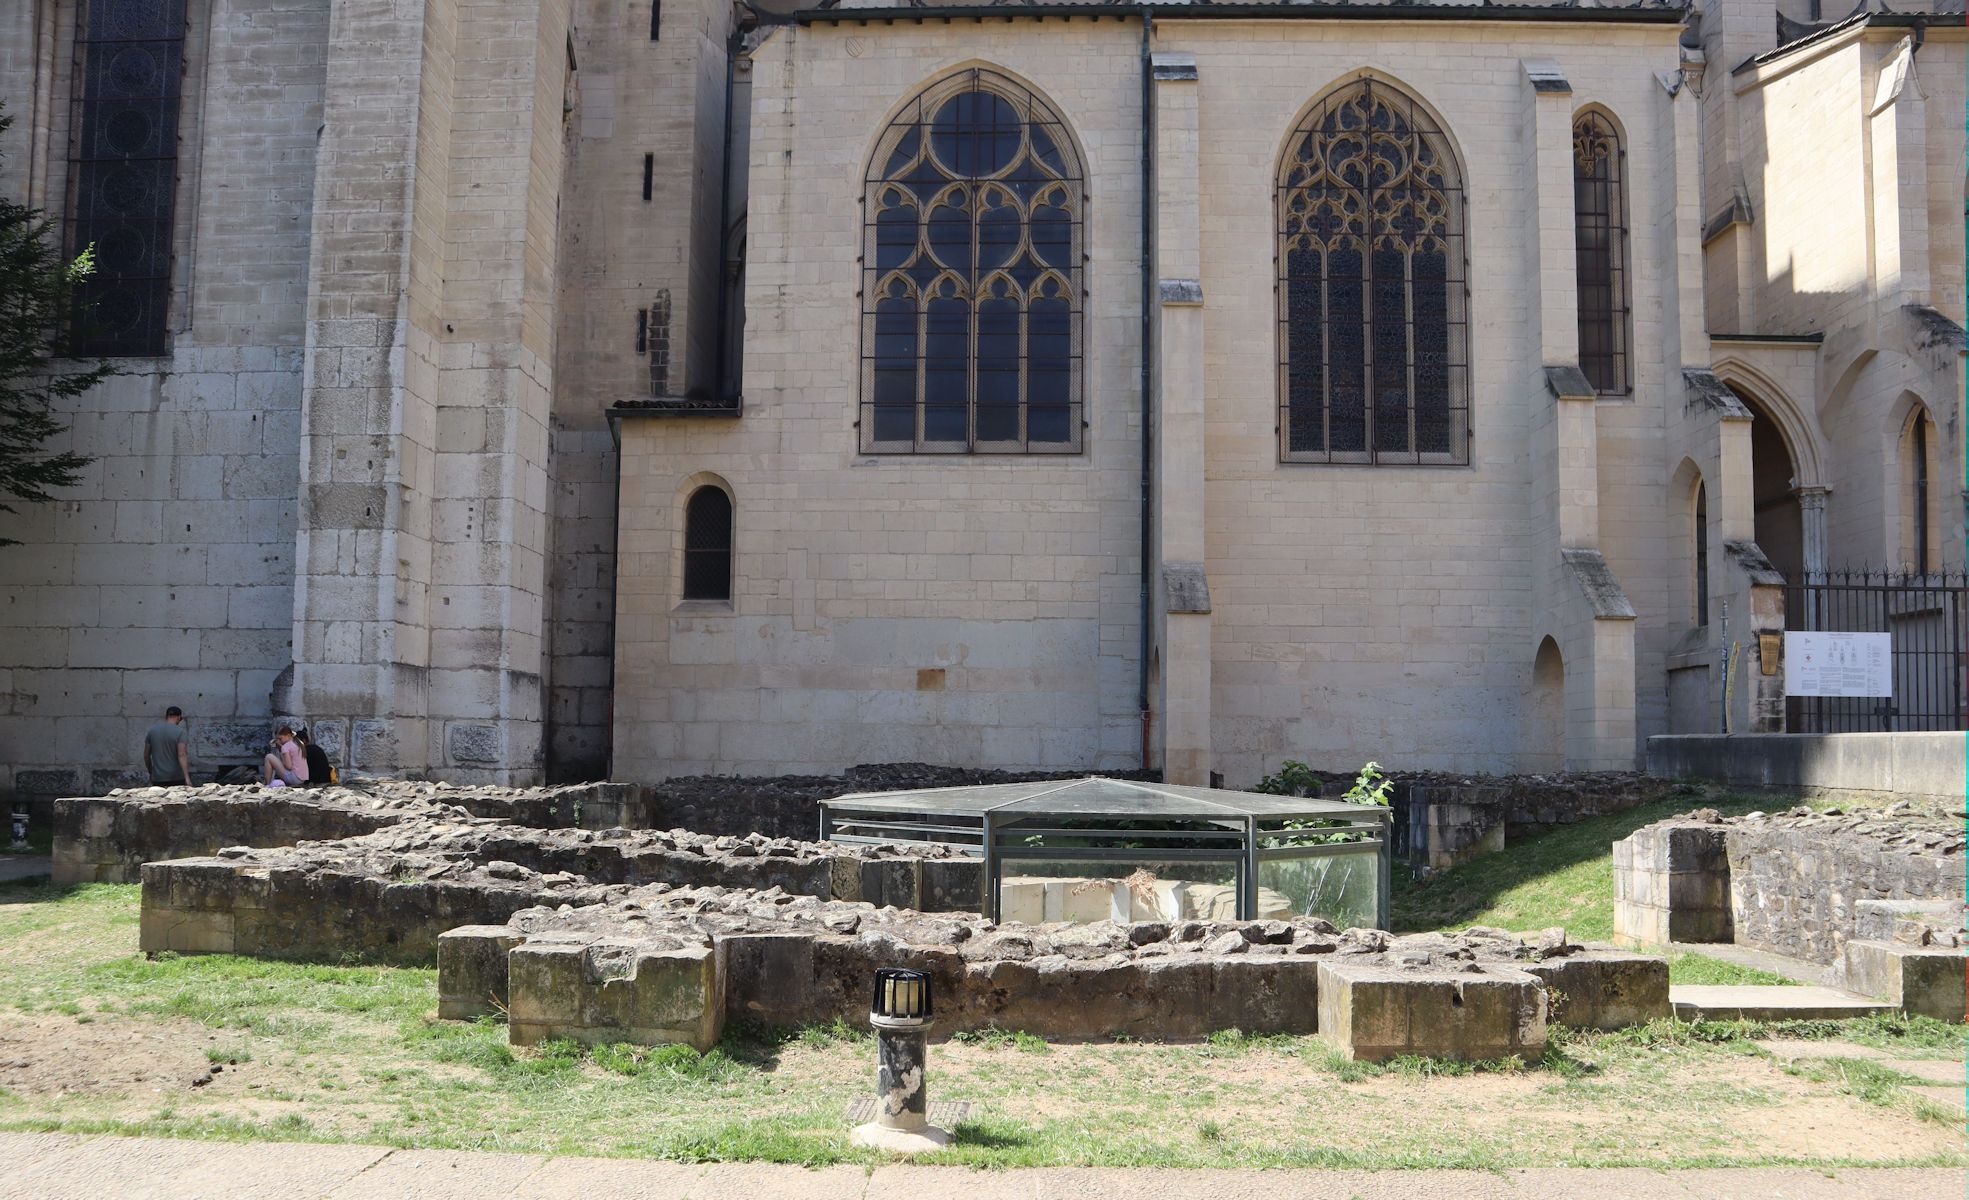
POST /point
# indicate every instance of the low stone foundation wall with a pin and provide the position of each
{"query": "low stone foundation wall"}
(617, 970)
(387, 896)
(1796, 880)
(109, 839)
(1812, 886)
(1442, 820)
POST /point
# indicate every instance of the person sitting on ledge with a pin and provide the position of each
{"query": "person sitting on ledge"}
(167, 753)
(287, 765)
(320, 773)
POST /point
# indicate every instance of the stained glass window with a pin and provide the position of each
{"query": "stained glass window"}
(974, 212)
(1373, 312)
(1600, 231)
(123, 169)
(708, 545)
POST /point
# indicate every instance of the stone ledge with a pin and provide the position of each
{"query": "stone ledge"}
(1919, 980)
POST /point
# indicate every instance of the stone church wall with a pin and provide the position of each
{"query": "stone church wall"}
(976, 610)
(165, 577)
(1387, 612)
(982, 610)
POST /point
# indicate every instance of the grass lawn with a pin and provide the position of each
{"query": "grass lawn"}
(93, 1037)
(1564, 878)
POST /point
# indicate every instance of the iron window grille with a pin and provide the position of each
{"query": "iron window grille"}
(708, 545)
(1372, 300)
(973, 221)
(123, 170)
(1600, 233)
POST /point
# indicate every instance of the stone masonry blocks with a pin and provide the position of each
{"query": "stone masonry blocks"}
(1925, 981)
(1672, 884)
(472, 970)
(1373, 1013)
(609, 990)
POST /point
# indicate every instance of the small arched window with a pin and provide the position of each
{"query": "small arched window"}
(1701, 533)
(973, 243)
(708, 545)
(1599, 214)
(1372, 309)
(1919, 545)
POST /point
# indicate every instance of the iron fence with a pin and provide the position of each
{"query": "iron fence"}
(1927, 614)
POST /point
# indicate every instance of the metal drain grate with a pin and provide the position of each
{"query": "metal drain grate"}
(944, 1114)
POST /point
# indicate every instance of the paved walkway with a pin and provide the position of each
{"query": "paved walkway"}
(42, 1166)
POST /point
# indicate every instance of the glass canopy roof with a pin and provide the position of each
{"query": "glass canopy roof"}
(1098, 796)
(1114, 849)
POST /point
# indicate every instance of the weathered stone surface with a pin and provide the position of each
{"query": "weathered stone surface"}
(1923, 981)
(1374, 1011)
(1671, 884)
(614, 990)
(1603, 990)
(1796, 878)
(472, 970)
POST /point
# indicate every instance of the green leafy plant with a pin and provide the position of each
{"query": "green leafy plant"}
(1371, 786)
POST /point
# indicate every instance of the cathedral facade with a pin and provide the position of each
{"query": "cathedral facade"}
(568, 388)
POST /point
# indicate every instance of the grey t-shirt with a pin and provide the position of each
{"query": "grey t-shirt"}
(163, 741)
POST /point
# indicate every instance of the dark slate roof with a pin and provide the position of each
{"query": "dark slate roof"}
(693, 405)
(1557, 10)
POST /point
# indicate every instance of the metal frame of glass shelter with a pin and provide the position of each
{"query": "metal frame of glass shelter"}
(1118, 821)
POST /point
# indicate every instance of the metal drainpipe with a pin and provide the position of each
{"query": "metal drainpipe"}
(723, 351)
(1148, 345)
(614, 573)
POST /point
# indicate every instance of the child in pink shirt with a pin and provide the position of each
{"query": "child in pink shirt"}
(288, 763)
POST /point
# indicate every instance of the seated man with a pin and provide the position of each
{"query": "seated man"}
(167, 750)
(288, 763)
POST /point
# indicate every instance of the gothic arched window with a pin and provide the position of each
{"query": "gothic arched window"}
(973, 219)
(1373, 326)
(123, 170)
(1600, 232)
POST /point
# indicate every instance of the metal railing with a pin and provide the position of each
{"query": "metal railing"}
(1927, 614)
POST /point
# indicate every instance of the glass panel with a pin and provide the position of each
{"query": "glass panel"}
(1431, 349)
(975, 134)
(998, 369)
(950, 235)
(895, 233)
(894, 396)
(1346, 338)
(1049, 356)
(1084, 890)
(998, 231)
(946, 361)
(1343, 888)
(708, 545)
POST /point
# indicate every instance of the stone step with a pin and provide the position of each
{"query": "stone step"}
(1797, 970)
(1769, 1002)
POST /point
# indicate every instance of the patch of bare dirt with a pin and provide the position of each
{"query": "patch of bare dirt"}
(52, 1056)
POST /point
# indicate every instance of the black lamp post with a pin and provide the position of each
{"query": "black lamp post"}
(901, 1014)
(20, 831)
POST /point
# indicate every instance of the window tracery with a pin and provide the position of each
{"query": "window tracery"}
(972, 276)
(1372, 303)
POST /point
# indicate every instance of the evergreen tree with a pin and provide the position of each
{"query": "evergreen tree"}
(37, 288)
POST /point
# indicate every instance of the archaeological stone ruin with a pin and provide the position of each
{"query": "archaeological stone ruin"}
(573, 912)
(1876, 897)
